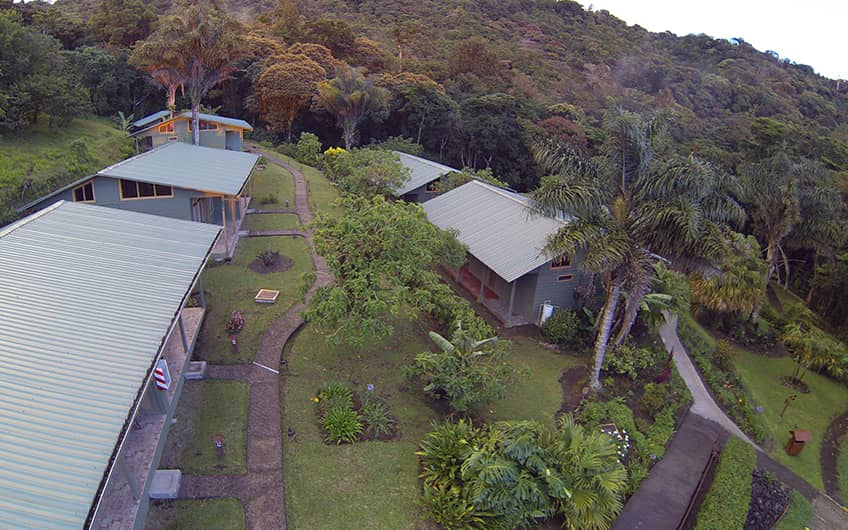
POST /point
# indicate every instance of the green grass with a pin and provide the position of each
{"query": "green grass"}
(271, 221)
(799, 514)
(842, 469)
(232, 286)
(271, 187)
(537, 395)
(209, 514)
(374, 484)
(322, 193)
(813, 412)
(207, 408)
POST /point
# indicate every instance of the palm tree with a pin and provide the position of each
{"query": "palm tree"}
(195, 49)
(811, 348)
(628, 205)
(351, 97)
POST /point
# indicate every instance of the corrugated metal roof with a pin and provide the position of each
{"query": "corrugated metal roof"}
(151, 118)
(234, 122)
(421, 172)
(188, 166)
(87, 296)
(497, 226)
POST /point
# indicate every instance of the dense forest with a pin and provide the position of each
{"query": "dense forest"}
(479, 84)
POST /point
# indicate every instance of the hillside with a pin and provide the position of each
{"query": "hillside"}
(44, 158)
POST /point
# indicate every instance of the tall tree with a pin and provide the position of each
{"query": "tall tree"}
(417, 103)
(627, 206)
(122, 23)
(402, 33)
(351, 97)
(285, 88)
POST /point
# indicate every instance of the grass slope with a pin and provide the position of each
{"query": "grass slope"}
(322, 193)
(271, 187)
(209, 514)
(798, 516)
(842, 469)
(271, 221)
(813, 412)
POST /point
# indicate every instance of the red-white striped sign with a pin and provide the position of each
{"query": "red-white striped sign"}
(161, 375)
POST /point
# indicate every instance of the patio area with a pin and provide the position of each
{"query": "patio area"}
(234, 214)
(497, 305)
(125, 494)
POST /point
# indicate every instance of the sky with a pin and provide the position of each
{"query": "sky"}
(810, 32)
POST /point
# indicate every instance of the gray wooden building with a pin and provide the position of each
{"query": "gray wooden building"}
(161, 127)
(175, 180)
(508, 270)
(423, 176)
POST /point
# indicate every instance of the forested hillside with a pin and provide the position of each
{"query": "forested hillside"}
(481, 84)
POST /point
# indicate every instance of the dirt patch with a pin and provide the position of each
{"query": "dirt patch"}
(829, 455)
(277, 263)
(795, 384)
(573, 382)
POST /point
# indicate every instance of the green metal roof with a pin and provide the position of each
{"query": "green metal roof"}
(496, 225)
(223, 120)
(421, 172)
(188, 166)
(88, 295)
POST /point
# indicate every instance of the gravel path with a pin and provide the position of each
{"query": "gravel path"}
(261, 489)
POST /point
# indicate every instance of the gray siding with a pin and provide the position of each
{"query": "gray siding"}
(217, 139)
(419, 195)
(560, 294)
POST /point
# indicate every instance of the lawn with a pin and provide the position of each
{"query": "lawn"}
(842, 469)
(812, 412)
(232, 286)
(208, 408)
(271, 221)
(271, 187)
(209, 514)
(322, 193)
(799, 514)
(374, 484)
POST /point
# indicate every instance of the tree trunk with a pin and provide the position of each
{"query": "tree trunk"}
(785, 268)
(631, 311)
(195, 122)
(348, 131)
(172, 100)
(602, 341)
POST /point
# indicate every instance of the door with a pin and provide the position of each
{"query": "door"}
(201, 209)
(233, 140)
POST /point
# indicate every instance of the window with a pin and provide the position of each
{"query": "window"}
(84, 193)
(205, 125)
(432, 187)
(565, 277)
(166, 128)
(131, 189)
(561, 262)
(173, 139)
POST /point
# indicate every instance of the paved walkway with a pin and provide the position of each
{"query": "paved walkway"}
(261, 489)
(660, 498)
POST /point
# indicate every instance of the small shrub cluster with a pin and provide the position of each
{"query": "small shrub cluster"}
(567, 329)
(344, 420)
(627, 359)
(448, 308)
(268, 257)
(308, 150)
(271, 198)
(724, 383)
(726, 504)
(288, 149)
(235, 324)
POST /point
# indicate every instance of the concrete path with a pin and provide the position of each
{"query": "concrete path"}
(261, 489)
(828, 514)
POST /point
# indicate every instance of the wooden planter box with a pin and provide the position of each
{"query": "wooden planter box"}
(266, 296)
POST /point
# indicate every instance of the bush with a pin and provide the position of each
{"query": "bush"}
(447, 308)
(308, 150)
(268, 257)
(271, 198)
(563, 329)
(335, 395)
(655, 398)
(726, 504)
(723, 356)
(288, 149)
(626, 359)
(341, 425)
(375, 416)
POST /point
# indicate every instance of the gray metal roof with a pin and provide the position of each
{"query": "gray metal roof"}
(234, 122)
(87, 296)
(151, 118)
(496, 225)
(421, 172)
(188, 166)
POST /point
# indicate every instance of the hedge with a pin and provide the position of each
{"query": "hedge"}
(727, 502)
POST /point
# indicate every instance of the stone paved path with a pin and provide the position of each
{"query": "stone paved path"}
(261, 489)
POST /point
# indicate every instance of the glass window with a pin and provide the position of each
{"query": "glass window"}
(432, 187)
(561, 262)
(145, 189)
(166, 128)
(565, 277)
(84, 193)
(164, 190)
(129, 189)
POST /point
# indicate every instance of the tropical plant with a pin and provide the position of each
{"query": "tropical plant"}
(335, 395)
(627, 359)
(235, 324)
(367, 171)
(285, 88)
(351, 97)
(466, 372)
(308, 149)
(375, 416)
(812, 348)
(629, 205)
(564, 328)
(341, 425)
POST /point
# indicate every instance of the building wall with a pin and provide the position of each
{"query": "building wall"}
(216, 139)
(558, 293)
(419, 195)
(525, 293)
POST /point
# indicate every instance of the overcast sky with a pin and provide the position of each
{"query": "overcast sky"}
(808, 32)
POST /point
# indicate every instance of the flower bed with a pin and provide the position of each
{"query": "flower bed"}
(346, 417)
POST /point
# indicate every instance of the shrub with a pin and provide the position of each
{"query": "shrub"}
(402, 144)
(235, 324)
(375, 416)
(335, 395)
(268, 257)
(726, 504)
(563, 329)
(447, 308)
(626, 359)
(288, 149)
(308, 149)
(723, 356)
(271, 198)
(341, 425)
(655, 398)
(445, 506)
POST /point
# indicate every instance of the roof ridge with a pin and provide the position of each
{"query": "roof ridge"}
(425, 160)
(5, 231)
(139, 155)
(500, 191)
